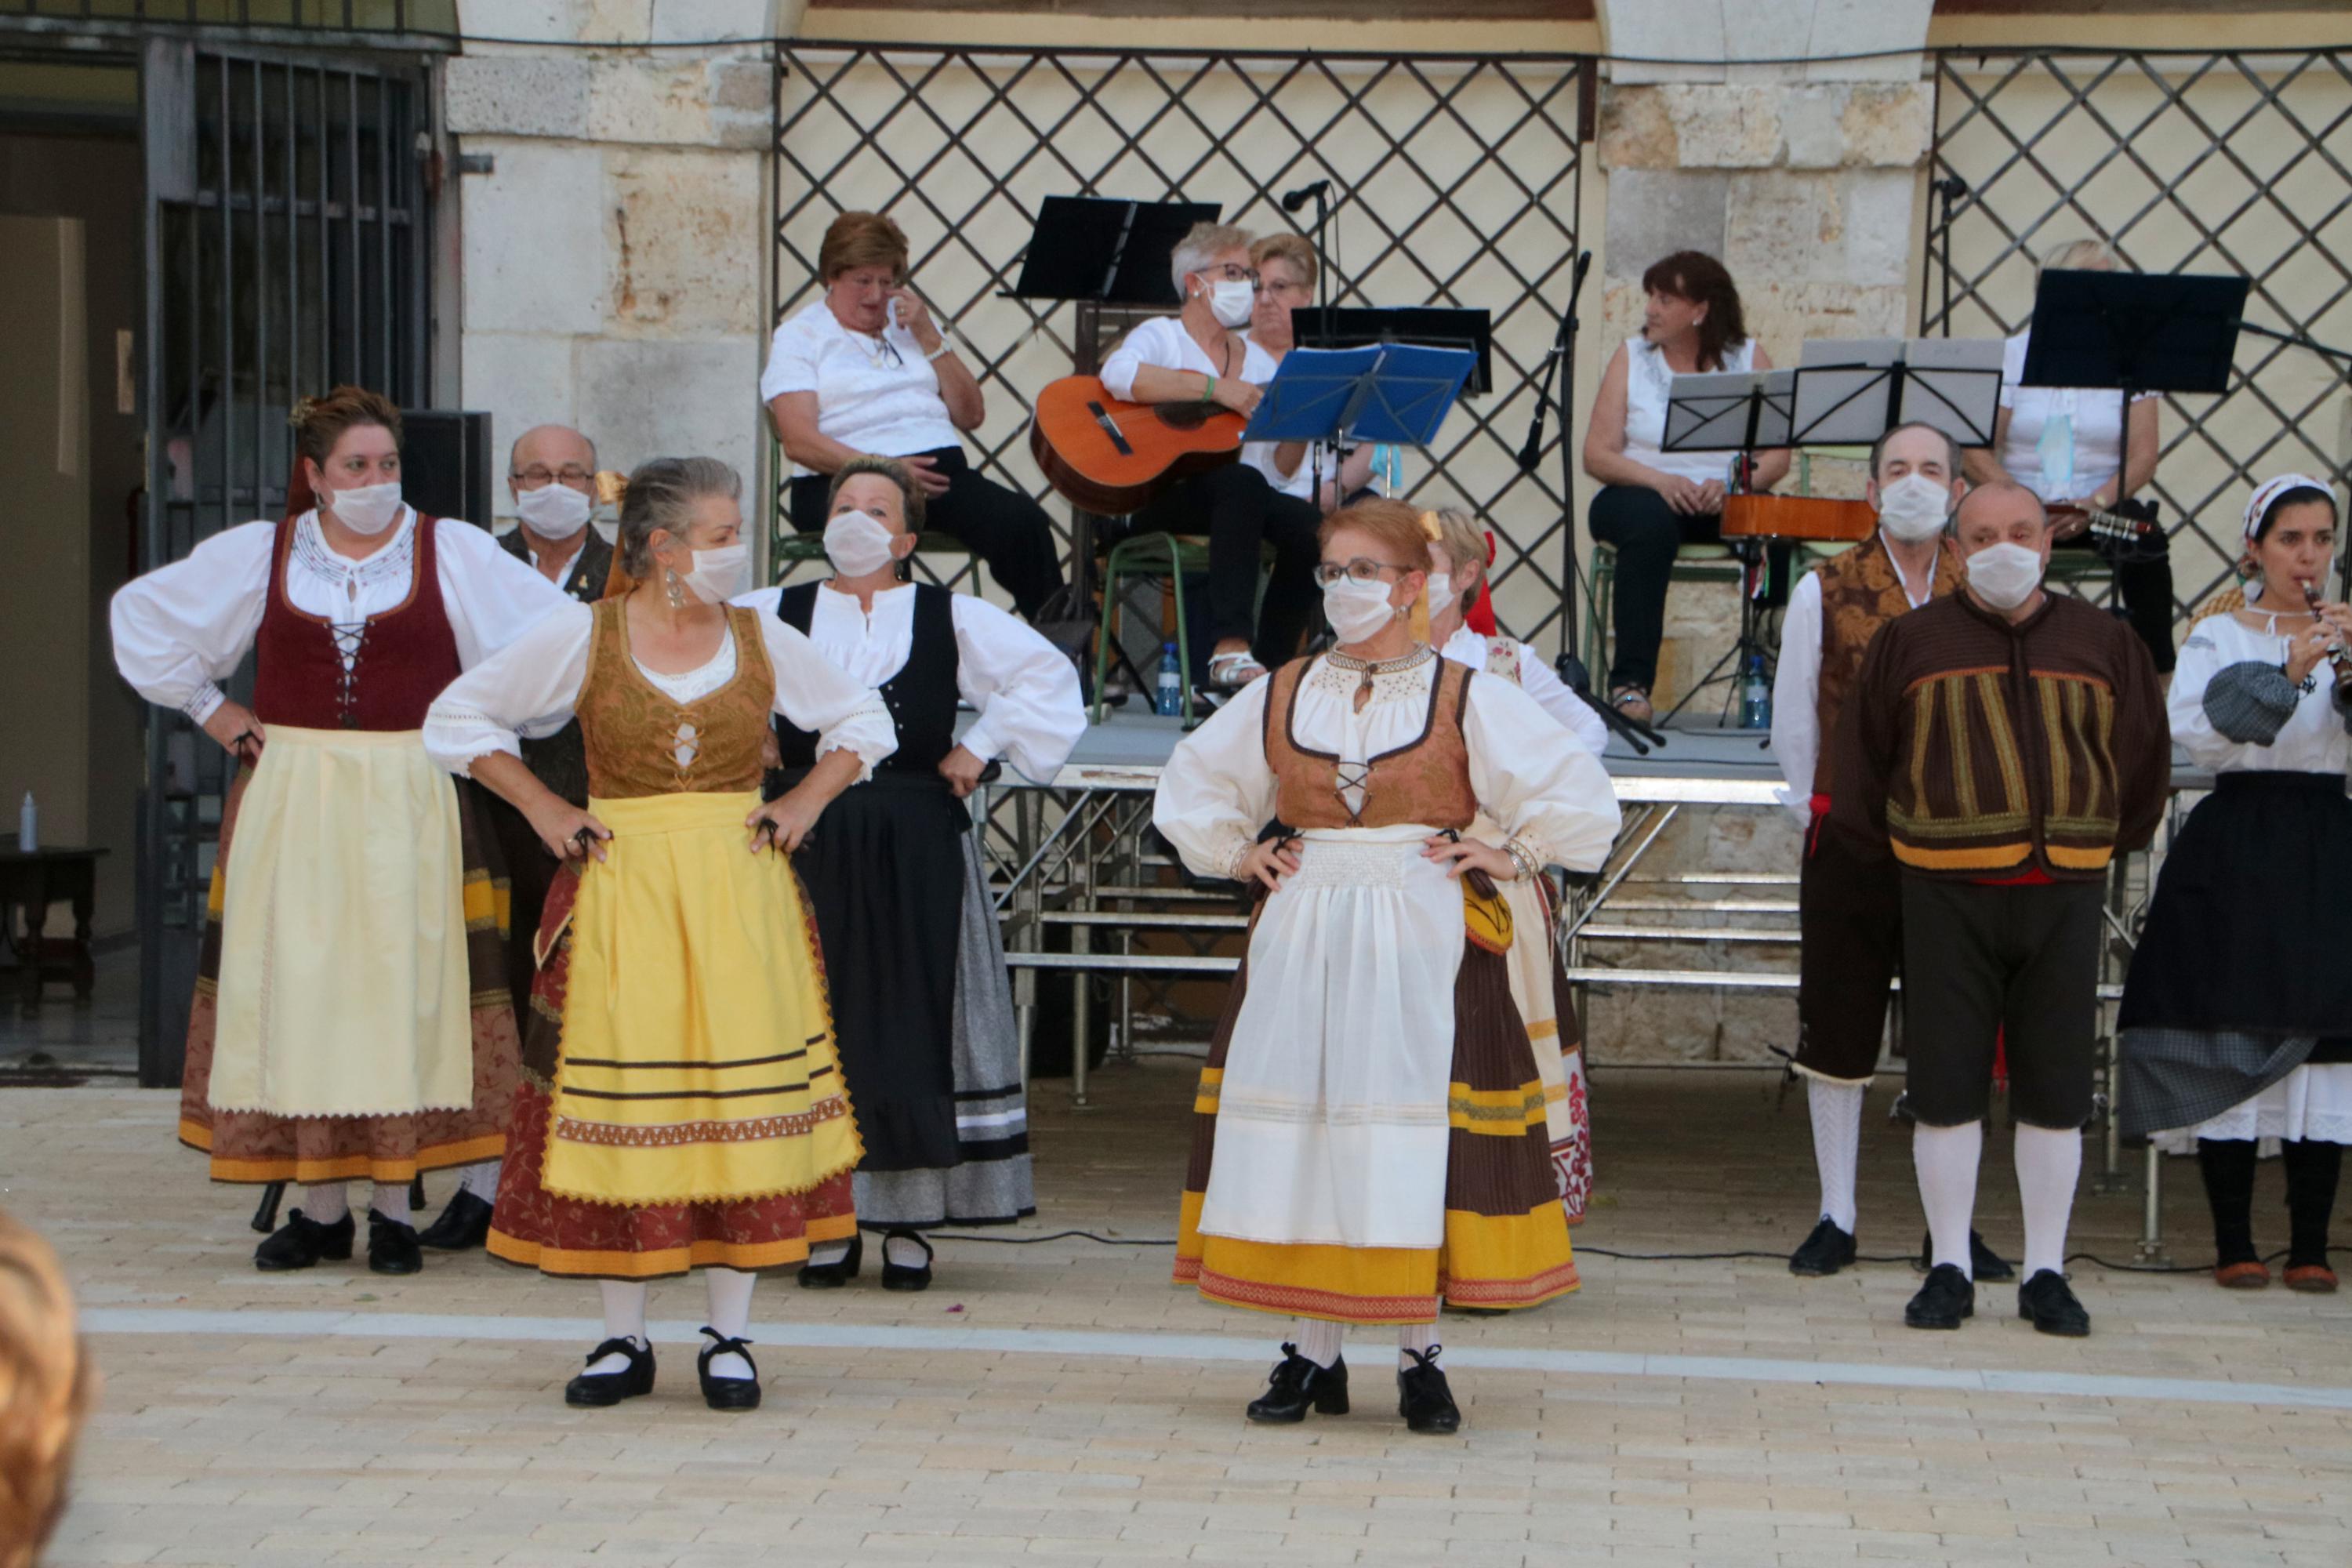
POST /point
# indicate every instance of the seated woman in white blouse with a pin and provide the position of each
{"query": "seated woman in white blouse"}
(920, 1003)
(1199, 355)
(1286, 270)
(865, 370)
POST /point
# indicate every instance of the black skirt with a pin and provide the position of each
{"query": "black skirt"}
(885, 875)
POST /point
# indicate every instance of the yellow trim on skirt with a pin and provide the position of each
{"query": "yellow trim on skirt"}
(699, 1060)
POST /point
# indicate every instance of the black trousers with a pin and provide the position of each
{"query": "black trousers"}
(1983, 964)
(1646, 533)
(1850, 933)
(1005, 528)
(2143, 569)
(1239, 510)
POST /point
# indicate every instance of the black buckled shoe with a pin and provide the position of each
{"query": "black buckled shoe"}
(1824, 1252)
(1984, 1263)
(463, 1226)
(301, 1242)
(834, 1276)
(2047, 1303)
(391, 1246)
(1943, 1301)
(905, 1275)
(727, 1393)
(1422, 1398)
(1297, 1384)
(599, 1389)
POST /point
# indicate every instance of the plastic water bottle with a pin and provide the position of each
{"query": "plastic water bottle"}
(1755, 696)
(28, 824)
(1168, 700)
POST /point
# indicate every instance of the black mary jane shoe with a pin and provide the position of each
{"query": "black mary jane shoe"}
(834, 1276)
(464, 1225)
(1423, 1398)
(905, 1275)
(1297, 1384)
(1824, 1252)
(301, 1242)
(391, 1246)
(2047, 1303)
(727, 1393)
(597, 1390)
(1984, 1263)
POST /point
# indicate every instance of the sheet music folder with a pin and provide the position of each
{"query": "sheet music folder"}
(2165, 332)
(1711, 411)
(1398, 392)
(1113, 252)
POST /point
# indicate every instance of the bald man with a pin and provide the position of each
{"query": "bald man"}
(552, 479)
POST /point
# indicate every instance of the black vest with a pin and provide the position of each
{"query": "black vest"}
(921, 696)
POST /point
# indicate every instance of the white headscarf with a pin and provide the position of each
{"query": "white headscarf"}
(2271, 490)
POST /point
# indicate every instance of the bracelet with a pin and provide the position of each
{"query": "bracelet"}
(1522, 858)
(1209, 391)
(947, 346)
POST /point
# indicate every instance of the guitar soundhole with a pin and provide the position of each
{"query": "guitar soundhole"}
(1183, 416)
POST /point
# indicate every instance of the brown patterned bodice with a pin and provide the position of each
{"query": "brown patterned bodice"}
(631, 725)
(1426, 780)
(1860, 594)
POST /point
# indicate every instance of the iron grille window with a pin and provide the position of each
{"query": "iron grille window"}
(435, 17)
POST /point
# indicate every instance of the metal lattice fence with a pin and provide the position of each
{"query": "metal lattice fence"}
(2183, 163)
(1459, 178)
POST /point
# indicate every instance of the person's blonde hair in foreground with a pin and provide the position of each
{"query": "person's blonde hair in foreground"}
(46, 1385)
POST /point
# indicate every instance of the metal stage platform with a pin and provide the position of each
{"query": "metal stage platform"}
(1075, 856)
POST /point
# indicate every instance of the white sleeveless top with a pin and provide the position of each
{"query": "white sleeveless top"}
(1646, 379)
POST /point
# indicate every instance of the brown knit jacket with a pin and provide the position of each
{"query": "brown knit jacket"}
(1974, 749)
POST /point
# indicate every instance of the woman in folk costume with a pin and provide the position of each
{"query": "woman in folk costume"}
(1370, 1136)
(682, 1105)
(1458, 593)
(914, 963)
(2237, 1014)
(351, 1017)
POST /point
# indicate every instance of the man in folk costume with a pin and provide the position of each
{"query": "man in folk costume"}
(2003, 745)
(1850, 908)
(551, 480)
(352, 1016)
(1370, 1136)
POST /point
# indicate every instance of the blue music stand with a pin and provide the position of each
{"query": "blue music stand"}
(1393, 393)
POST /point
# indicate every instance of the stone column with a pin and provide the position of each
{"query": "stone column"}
(615, 253)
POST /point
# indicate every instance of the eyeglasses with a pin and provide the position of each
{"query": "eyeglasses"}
(1359, 570)
(540, 474)
(1231, 272)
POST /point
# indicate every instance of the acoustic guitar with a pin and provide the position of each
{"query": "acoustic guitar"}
(1111, 457)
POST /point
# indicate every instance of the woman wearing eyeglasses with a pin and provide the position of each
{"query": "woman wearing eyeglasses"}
(1370, 1135)
(1201, 356)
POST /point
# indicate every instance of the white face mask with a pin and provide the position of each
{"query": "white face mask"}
(367, 510)
(553, 511)
(1913, 507)
(722, 575)
(856, 544)
(1441, 592)
(1357, 610)
(2004, 576)
(1232, 300)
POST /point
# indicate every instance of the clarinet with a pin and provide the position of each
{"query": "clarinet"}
(2338, 656)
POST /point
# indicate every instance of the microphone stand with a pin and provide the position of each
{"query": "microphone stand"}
(1321, 191)
(1569, 665)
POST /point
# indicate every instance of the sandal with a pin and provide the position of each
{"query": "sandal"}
(1229, 672)
(1635, 704)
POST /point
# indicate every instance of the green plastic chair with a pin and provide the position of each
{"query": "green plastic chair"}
(1693, 563)
(1174, 556)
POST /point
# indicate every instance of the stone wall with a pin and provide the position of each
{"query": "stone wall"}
(615, 254)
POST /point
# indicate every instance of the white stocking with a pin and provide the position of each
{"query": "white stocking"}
(1946, 1159)
(482, 1179)
(731, 1314)
(1421, 1337)
(326, 1202)
(825, 1252)
(2048, 1162)
(391, 1200)
(1318, 1341)
(1837, 1142)
(625, 1318)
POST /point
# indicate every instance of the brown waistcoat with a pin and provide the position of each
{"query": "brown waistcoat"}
(631, 725)
(1426, 780)
(1860, 594)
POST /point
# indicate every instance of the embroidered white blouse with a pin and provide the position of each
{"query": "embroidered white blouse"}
(2312, 741)
(1025, 690)
(182, 629)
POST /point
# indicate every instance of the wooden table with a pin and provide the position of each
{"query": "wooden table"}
(32, 882)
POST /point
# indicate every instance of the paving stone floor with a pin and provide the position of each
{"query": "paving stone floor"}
(1061, 1402)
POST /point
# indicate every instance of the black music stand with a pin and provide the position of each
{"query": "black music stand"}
(2135, 332)
(1107, 252)
(1733, 411)
(1851, 394)
(1430, 326)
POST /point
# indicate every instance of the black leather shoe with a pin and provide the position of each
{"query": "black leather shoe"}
(391, 1246)
(598, 1389)
(905, 1275)
(1946, 1299)
(1297, 1384)
(727, 1393)
(463, 1226)
(1826, 1251)
(1984, 1263)
(2045, 1301)
(303, 1241)
(1422, 1398)
(834, 1276)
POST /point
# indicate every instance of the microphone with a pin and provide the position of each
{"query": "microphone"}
(1951, 188)
(1299, 198)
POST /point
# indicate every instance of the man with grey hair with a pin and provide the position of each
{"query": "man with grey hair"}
(2003, 745)
(551, 479)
